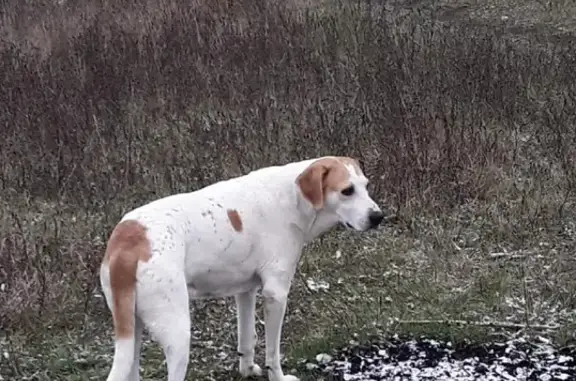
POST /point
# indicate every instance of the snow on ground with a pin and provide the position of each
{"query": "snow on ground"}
(423, 360)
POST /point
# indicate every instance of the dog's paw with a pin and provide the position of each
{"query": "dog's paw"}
(288, 377)
(279, 376)
(250, 370)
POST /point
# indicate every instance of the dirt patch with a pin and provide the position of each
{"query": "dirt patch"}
(433, 360)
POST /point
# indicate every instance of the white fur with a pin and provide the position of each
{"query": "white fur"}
(197, 253)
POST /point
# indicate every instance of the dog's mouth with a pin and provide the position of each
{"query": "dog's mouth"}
(347, 225)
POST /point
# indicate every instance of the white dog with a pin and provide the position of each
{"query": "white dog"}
(228, 239)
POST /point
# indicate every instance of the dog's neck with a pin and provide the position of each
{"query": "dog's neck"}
(322, 223)
(313, 223)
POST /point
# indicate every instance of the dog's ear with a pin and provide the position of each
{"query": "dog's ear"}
(311, 183)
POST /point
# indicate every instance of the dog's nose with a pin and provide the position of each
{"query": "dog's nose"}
(375, 217)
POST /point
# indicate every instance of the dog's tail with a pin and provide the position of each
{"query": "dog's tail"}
(124, 347)
(127, 246)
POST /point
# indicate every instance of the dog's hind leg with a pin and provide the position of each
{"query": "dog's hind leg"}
(247, 337)
(135, 371)
(164, 310)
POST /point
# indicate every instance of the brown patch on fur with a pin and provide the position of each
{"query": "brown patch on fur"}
(328, 174)
(235, 219)
(353, 162)
(127, 246)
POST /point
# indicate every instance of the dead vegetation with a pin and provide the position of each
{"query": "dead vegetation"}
(106, 105)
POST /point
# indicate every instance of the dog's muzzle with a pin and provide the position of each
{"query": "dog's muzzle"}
(375, 218)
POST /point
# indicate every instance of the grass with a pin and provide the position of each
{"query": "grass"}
(467, 135)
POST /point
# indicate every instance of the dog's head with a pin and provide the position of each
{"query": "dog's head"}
(337, 185)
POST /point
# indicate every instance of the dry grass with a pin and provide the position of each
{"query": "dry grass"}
(557, 17)
(106, 105)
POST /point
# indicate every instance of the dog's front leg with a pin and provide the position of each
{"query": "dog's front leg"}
(246, 305)
(275, 292)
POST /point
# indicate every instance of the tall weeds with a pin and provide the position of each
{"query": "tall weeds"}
(105, 105)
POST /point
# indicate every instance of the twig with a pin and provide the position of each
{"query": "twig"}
(508, 255)
(301, 277)
(482, 324)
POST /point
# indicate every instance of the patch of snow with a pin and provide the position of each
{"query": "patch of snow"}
(323, 358)
(317, 285)
(427, 360)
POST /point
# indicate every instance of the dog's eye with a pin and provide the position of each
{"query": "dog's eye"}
(348, 191)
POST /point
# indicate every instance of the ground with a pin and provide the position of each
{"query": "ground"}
(486, 256)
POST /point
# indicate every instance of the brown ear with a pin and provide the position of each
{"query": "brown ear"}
(311, 183)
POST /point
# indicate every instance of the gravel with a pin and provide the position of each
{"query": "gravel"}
(426, 359)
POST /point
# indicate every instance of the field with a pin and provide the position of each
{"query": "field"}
(463, 114)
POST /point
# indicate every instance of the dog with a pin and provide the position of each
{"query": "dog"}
(232, 238)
